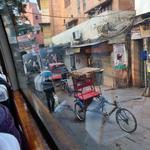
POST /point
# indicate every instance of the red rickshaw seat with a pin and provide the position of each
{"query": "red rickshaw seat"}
(87, 95)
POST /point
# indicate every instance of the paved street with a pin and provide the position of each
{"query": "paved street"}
(93, 134)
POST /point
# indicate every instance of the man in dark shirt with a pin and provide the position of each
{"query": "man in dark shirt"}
(49, 91)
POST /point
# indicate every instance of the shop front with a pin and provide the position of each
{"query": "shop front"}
(140, 46)
(100, 56)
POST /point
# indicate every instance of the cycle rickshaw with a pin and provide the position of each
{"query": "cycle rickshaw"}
(85, 91)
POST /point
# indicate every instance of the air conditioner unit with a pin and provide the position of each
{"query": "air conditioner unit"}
(77, 35)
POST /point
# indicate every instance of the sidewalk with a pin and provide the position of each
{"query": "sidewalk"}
(131, 99)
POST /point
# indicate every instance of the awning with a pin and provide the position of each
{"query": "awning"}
(88, 44)
(142, 21)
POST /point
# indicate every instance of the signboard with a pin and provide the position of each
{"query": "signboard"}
(120, 56)
(135, 33)
(145, 30)
(72, 51)
(144, 55)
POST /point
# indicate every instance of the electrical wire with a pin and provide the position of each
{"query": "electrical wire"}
(101, 15)
(65, 17)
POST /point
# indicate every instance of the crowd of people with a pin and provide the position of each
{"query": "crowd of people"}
(10, 135)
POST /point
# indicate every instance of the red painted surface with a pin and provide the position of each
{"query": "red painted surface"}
(56, 77)
(87, 95)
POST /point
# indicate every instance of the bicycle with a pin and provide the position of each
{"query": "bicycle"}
(85, 92)
(124, 117)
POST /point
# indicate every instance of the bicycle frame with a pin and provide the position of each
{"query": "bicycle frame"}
(113, 104)
(116, 107)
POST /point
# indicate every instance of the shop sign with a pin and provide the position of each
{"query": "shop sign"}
(72, 51)
(120, 56)
(145, 30)
(135, 33)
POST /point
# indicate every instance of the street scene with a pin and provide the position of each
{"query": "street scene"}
(93, 133)
(87, 62)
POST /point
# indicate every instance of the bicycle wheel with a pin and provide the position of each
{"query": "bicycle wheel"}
(126, 120)
(79, 110)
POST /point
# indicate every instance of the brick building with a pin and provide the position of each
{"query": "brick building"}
(34, 17)
(96, 38)
(44, 6)
(69, 13)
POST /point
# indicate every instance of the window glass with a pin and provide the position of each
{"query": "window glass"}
(90, 74)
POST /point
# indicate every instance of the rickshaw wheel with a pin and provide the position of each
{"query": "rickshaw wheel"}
(79, 110)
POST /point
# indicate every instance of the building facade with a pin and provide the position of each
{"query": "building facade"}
(100, 39)
(140, 49)
(34, 17)
(44, 7)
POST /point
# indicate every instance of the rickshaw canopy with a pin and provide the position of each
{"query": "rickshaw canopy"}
(85, 71)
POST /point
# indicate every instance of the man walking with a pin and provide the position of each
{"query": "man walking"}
(49, 90)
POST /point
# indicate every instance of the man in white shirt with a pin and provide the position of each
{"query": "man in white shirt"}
(3, 76)
(4, 95)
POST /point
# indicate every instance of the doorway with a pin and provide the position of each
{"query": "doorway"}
(72, 61)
